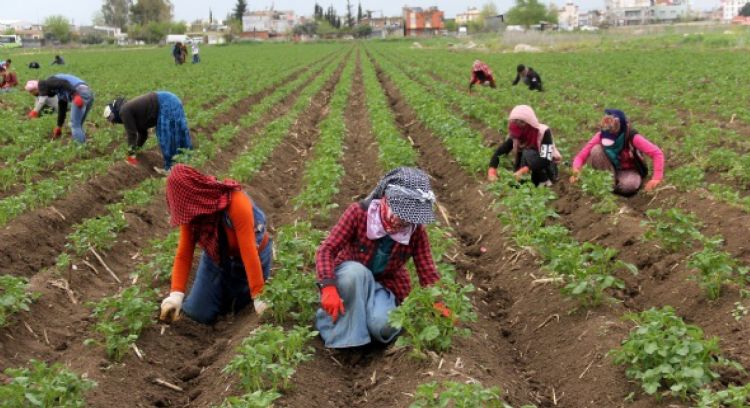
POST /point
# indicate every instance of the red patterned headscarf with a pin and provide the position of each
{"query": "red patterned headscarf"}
(198, 200)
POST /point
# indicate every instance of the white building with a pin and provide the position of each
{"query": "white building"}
(471, 14)
(269, 21)
(731, 9)
(637, 12)
(567, 17)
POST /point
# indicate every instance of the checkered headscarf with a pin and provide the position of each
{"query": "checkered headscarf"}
(198, 200)
(407, 191)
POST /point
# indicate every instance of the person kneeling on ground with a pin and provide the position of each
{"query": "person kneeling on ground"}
(231, 230)
(532, 145)
(67, 88)
(58, 60)
(618, 148)
(162, 110)
(361, 265)
(481, 74)
(530, 77)
(8, 79)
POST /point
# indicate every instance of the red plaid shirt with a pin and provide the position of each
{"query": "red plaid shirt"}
(348, 242)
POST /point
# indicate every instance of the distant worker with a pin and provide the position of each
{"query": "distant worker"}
(618, 148)
(196, 52)
(529, 77)
(177, 53)
(34, 65)
(481, 74)
(237, 250)
(162, 110)
(58, 60)
(6, 64)
(8, 79)
(532, 146)
(68, 89)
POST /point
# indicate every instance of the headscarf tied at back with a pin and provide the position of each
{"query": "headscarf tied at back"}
(408, 193)
(527, 136)
(198, 200)
(614, 128)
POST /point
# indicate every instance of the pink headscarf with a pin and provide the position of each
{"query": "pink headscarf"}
(31, 85)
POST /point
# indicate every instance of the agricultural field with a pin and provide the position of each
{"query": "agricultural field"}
(561, 297)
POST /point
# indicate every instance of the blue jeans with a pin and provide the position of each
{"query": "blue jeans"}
(366, 307)
(219, 290)
(78, 115)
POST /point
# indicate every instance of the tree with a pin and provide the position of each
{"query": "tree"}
(147, 11)
(318, 14)
(310, 28)
(58, 28)
(359, 12)
(116, 13)
(362, 31)
(528, 12)
(349, 16)
(239, 9)
(745, 11)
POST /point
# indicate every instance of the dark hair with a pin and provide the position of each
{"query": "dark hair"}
(8, 61)
(520, 67)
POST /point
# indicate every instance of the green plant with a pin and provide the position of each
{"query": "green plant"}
(731, 397)
(739, 311)
(662, 351)
(269, 356)
(594, 274)
(256, 399)
(426, 328)
(121, 318)
(687, 178)
(14, 296)
(672, 228)
(43, 386)
(458, 395)
(716, 268)
(598, 184)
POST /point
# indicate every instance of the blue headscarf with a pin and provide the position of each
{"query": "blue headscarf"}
(617, 137)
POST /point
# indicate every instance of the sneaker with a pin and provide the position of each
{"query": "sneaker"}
(161, 171)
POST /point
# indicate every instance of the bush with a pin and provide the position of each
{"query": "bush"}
(42, 386)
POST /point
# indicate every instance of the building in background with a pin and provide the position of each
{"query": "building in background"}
(419, 21)
(470, 15)
(568, 17)
(638, 12)
(731, 9)
(591, 18)
(267, 23)
(384, 26)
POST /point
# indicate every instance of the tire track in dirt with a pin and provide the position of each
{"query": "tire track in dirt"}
(67, 325)
(46, 230)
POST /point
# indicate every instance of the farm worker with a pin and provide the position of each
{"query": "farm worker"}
(529, 77)
(8, 79)
(183, 53)
(58, 60)
(34, 65)
(532, 147)
(177, 53)
(6, 64)
(618, 148)
(67, 88)
(361, 265)
(196, 53)
(42, 104)
(231, 230)
(162, 110)
(481, 74)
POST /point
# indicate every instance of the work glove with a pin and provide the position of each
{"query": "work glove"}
(518, 174)
(78, 101)
(651, 185)
(260, 306)
(491, 174)
(33, 114)
(331, 302)
(57, 132)
(171, 306)
(132, 160)
(574, 176)
(443, 309)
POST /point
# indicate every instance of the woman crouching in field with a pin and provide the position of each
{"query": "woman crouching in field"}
(618, 148)
(532, 147)
(231, 229)
(361, 265)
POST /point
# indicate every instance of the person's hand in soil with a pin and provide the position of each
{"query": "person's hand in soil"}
(260, 306)
(574, 177)
(651, 185)
(518, 174)
(491, 174)
(171, 306)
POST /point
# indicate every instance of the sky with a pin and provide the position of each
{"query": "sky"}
(81, 11)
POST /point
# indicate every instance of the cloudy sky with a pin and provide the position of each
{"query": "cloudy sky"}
(80, 11)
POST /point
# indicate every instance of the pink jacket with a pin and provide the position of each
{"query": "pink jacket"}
(639, 142)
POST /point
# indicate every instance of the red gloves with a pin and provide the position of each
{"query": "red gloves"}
(443, 309)
(33, 114)
(57, 132)
(651, 185)
(78, 101)
(523, 170)
(491, 174)
(132, 160)
(331, 302)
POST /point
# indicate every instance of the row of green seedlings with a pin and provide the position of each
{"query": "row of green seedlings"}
(419, 321)
(267, 359)
(675, 230)
(48, 190)
(671, 358)
(121, 318)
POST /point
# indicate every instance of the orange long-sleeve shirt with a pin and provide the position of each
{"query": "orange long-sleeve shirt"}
(241, 240)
